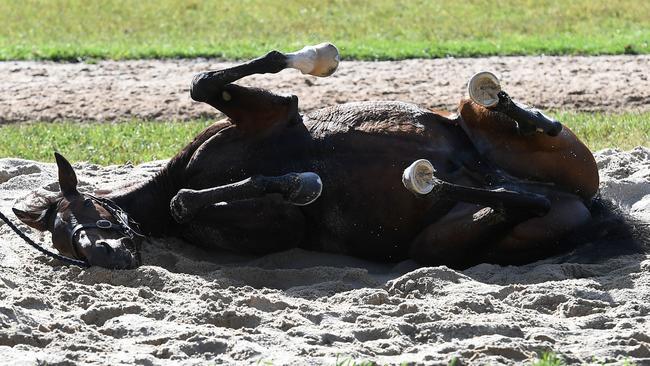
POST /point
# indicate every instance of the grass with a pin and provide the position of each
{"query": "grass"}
(139, 141)
(602, 130)
(100, 143)
(363, 29)
(549, 359)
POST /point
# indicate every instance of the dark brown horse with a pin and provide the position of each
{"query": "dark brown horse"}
(268, 178)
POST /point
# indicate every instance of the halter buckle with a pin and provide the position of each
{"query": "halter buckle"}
(104, 224)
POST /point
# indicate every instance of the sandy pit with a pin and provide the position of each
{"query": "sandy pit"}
(299, 307)
(158, 90)
(188, 306)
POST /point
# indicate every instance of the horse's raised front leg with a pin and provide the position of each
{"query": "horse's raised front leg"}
(295, 188)
(320, 60)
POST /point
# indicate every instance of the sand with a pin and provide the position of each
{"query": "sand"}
(159, 90)
(299, 307)
(188, 306)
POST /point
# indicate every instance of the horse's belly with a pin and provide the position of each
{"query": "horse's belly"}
(365, 210)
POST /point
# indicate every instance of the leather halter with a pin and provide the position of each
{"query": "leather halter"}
(124, 225)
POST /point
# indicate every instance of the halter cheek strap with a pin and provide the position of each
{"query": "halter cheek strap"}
(127, 227)
(124, 225)
(99, 224)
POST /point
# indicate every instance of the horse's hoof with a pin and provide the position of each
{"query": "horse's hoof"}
(483, 88)
(308, 191)
(320, 60)
(418, 177)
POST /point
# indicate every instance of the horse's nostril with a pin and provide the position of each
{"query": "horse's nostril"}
(107, 247)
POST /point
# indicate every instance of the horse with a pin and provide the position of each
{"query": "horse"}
(500, 186)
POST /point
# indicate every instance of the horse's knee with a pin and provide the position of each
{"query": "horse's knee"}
(201, 86)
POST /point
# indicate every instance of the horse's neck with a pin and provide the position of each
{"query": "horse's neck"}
(148, 203)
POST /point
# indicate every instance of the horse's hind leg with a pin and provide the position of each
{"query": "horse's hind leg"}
(456, 238)
(563, 159)
(295, 188)
(254, 108)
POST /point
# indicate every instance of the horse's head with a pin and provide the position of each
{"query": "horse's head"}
(82, 226)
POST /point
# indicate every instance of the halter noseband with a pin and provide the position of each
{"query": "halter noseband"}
(125, 225)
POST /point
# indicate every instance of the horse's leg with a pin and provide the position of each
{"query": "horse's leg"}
(253, 226)
(456, 239)
(539, 237)
(295, 188)
(533, 203)
(470, 234)
(320, 60)
(251, 109)
(254, 109)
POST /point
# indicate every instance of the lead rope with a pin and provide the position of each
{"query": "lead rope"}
(38, 247)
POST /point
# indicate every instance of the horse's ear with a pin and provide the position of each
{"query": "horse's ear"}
(35, 209)
(67, 176)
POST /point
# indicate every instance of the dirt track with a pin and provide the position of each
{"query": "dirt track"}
(159, 89)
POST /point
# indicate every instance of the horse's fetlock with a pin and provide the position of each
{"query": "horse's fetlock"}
(260, 182)
(276, 61)
(274, 55)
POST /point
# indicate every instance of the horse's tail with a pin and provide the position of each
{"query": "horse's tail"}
(611, 232)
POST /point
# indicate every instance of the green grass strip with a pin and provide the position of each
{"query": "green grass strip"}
(363, 29)
(99, 143)
(601, 130)
(140, 141)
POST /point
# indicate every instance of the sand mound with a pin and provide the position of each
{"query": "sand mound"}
(299, 307)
